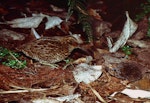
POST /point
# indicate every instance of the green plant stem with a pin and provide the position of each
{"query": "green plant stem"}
(16, 59)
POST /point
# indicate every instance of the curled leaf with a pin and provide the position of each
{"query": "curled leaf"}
(128, 30)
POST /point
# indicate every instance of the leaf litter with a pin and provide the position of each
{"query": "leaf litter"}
(114, 73)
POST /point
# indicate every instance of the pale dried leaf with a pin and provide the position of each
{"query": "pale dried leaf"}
(136, 93)
(55, 8)
(45, 100)
(86, 73)
(138, 43)
(29, 22)
(68, 97)
(34, 21)
(77, 37)
(128, 30)
(33, 31)
(52, 22)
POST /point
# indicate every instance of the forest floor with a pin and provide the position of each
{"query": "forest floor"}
(121, 72)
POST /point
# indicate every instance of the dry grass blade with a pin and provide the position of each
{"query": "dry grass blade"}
(97, 95)
(22, 91)
(18, 89)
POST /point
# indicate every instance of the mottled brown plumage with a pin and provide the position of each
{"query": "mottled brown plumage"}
(49, 50)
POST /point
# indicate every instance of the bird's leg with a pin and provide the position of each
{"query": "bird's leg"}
(68, 63)
(53, 66)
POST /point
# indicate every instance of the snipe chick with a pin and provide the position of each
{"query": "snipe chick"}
(50, 50)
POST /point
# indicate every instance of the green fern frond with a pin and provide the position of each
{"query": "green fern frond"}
(83, 18)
